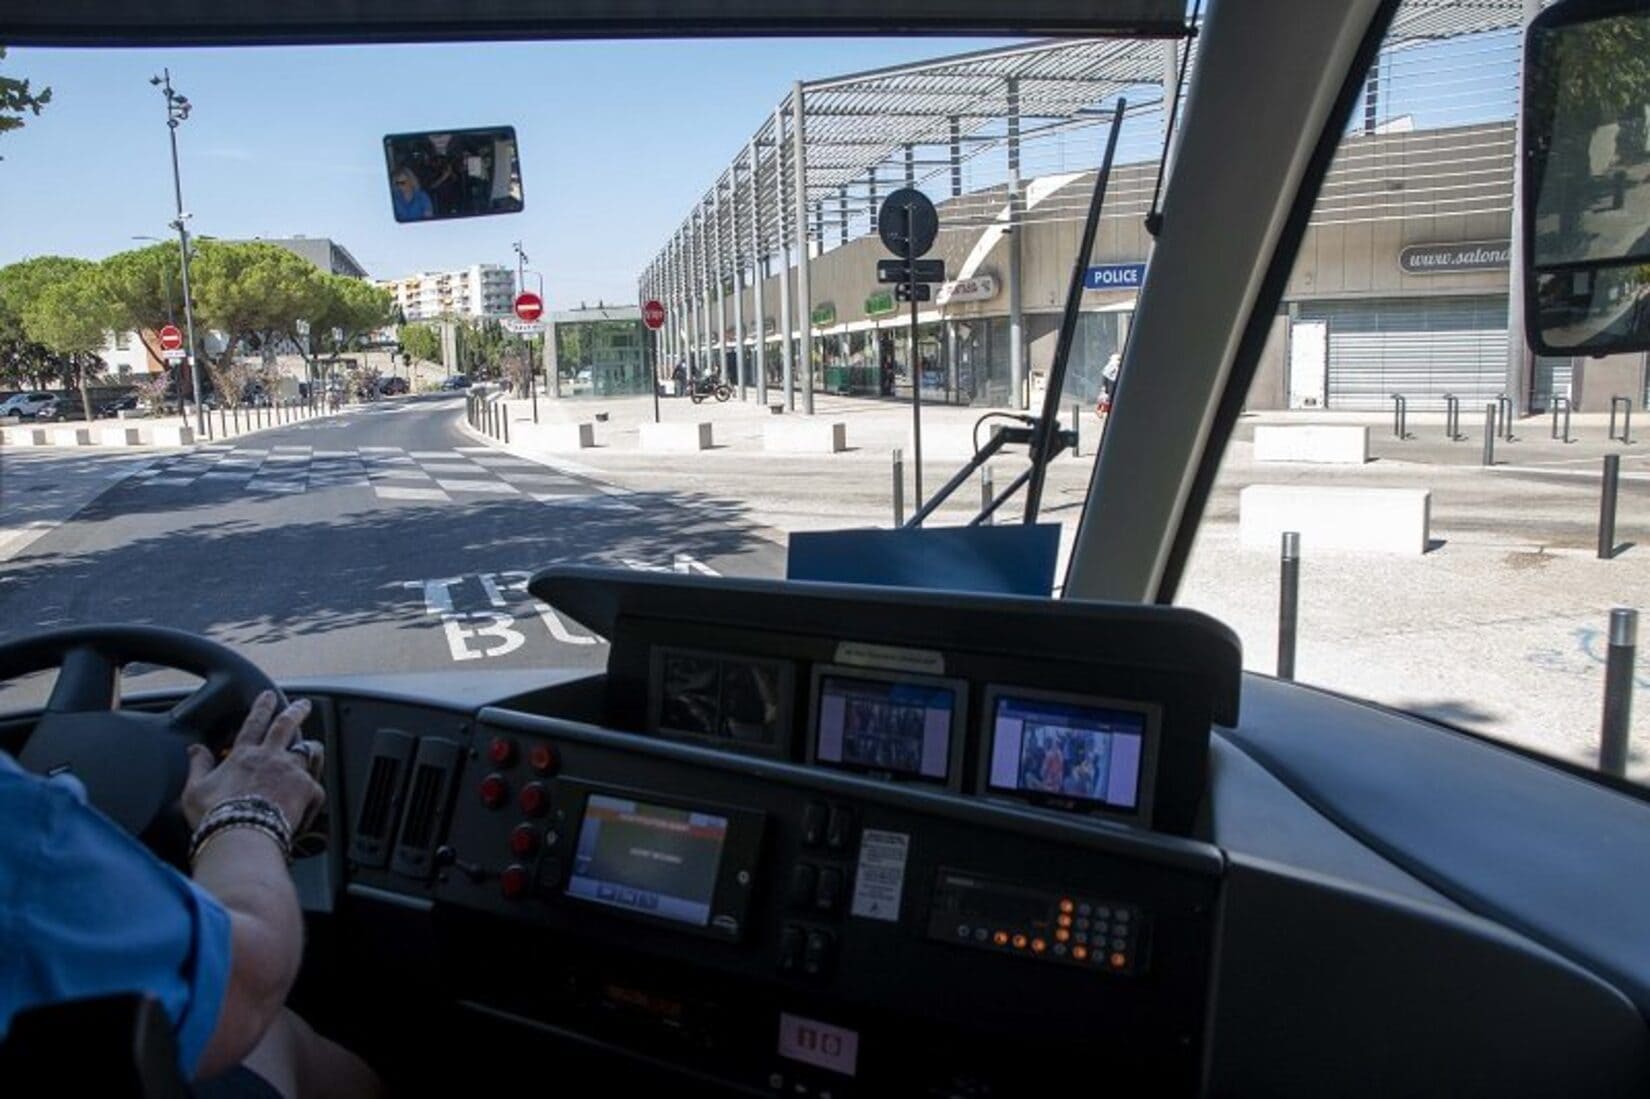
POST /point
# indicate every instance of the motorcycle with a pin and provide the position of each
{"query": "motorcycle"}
(709, 387)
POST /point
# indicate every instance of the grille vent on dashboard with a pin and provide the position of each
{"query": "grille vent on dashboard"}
(434, 773)
(380, 809)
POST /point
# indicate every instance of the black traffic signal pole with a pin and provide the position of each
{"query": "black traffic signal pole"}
(916, 369)
(1044, 444)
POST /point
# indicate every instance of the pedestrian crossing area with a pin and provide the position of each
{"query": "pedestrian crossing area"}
(465, 474)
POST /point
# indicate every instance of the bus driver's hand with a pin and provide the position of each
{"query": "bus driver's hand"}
(264, 761)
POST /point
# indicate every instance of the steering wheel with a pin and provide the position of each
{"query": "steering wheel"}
(132, 764)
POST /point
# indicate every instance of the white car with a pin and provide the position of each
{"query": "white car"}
(25, 406)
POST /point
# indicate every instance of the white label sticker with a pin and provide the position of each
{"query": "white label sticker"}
(880, 880)
(889, 657)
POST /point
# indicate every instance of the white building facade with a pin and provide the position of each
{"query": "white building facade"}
(479, 290)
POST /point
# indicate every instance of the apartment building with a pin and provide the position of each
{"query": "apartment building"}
(479, 290)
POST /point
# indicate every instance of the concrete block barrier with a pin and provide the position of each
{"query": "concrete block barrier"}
(1368, 520)
(804, 436)
(1337, 444)
(71, 436)
(171, 435)
(27, 436)
(559, 436)
(676, 438)
(119, 436)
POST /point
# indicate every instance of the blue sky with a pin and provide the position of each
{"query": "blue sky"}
(617, 140)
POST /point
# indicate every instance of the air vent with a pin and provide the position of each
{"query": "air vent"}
(435, 768)
(380, 808)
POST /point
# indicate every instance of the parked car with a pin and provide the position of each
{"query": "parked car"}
(393, 387)
(25, 406)
(110, 409)
(457, 381)
(50, 410)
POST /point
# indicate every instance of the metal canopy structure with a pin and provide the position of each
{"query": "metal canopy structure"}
(818, 166)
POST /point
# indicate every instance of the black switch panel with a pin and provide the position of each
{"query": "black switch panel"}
(803, 886)
(817, 952)
(792, 940)
(839, 830)
(814, 818)
(828, 894)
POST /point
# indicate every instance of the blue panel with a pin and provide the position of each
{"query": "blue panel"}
(1013, 559)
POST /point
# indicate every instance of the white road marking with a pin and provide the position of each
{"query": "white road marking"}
(395, 492)
(438, 596)
(558, 629)
(450, 467)
(379, 449)
(495, 487)
(437, 455)
(335, 453)
(501, 626)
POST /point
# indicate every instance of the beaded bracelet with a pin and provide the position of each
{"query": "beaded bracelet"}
(249, 811)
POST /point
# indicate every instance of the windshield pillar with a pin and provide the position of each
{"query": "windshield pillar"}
(804, 299)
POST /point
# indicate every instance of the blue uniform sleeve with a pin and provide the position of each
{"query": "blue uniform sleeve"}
(86, 911)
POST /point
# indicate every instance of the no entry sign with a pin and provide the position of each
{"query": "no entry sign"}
(653, 315)
(529, 306)
(170, 338)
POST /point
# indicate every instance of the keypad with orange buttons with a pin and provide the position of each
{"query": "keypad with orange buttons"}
(1061, 929)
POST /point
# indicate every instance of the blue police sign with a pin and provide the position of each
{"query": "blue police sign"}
(1114, 276)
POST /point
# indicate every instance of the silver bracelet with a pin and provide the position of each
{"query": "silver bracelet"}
(246, 811)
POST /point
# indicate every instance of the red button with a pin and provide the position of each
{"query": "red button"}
(495, 791)
(535, 799)
(542, 758)
(502, 751)
(513, 882)
(524, 840)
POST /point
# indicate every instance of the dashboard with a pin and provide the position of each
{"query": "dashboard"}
(820, 840)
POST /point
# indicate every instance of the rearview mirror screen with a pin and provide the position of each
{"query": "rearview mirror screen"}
(447, 174)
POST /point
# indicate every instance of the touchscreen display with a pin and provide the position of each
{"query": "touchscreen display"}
(1069, 750)
(648, 858)
(732, 698)
(901, 728)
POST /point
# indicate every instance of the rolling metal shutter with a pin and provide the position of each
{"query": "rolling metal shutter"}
(1420, 347)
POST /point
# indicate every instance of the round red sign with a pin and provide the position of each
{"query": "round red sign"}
(170, 338)
(529, 306)
(653, 315)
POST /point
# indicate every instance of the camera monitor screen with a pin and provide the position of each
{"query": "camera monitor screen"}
(728, 698)
(649, 859)
(897, 727)
(1066, 750)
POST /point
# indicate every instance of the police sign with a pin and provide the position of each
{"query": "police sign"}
(1114, 276)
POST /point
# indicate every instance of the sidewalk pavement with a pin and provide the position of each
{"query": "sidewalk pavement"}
(1499, 629)
(40, 489)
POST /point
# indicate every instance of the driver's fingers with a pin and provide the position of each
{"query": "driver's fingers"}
(284, 731)
(256, 725)
(200, 763)
(317, 761)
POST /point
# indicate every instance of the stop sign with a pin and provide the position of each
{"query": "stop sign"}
(529, 306)
(653, 315)
(170, 338)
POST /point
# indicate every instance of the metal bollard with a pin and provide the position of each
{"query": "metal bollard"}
(1607, 507)
(1626, 404)
(987, 492)
(1289, 588)
(1564, 403)
(504, 419)
(1400, 416)
(1490, 411)
(237, 419)
(1504, 410)
(223, 423)
(1618, 691)
(1452, 417)
(1076, 429)
(899, 488)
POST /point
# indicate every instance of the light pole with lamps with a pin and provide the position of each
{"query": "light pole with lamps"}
(177, 109)
(521, 285)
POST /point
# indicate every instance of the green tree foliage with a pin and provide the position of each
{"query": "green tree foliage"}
(70, 315)
(422, 342)
(251, 292)
(17, 99)
(24, 358)
(146, 286)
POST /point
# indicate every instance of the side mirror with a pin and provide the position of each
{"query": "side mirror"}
(1586, 158)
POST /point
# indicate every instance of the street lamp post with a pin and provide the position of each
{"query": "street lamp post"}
(521, 285)
(177, 109)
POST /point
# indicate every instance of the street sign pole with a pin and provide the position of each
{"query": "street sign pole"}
(916, 367)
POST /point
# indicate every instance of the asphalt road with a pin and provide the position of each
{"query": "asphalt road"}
(377, 541)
